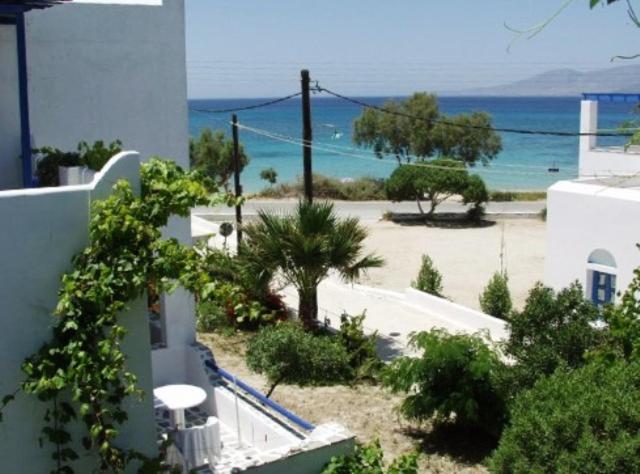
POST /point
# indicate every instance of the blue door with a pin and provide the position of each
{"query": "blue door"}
(603, 287)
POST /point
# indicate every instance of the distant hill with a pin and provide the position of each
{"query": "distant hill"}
(566, 82)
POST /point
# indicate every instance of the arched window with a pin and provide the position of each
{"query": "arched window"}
(601, 277)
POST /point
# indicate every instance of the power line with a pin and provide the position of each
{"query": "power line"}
(520, 131)
(247, 107)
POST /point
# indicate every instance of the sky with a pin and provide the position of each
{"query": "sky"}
(256, 48)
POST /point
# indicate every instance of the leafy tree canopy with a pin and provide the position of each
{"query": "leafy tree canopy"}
(212, 154)
(414, 128)
(435, 180)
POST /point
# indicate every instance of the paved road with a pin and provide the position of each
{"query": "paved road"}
(373, 210)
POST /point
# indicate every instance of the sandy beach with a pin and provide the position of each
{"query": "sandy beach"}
(466, 257)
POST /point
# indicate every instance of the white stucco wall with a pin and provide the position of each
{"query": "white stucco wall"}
(583, 217)
(605, 161)
(10, 167)
(43, 229)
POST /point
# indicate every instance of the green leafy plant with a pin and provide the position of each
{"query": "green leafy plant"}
(270, 175)
(553, 330)
(369, 459)
(303, 247)
(361, 348)
(429, 278)
(452, 381)
(415, 127)
(287, 353)
(96, 156)
(212, 154)
(495, 299)
(476, 194)
(47, 161)
(585, 420)
(82, 371)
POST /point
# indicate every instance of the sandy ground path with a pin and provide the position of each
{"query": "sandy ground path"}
(466, 257)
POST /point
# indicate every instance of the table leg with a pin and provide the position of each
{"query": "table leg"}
(177, 418)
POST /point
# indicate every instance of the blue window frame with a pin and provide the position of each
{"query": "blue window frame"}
(603, 288)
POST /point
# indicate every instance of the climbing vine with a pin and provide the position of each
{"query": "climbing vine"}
(82, 371)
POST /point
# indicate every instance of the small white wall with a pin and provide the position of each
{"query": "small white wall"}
(467, 319)
(606, 161)
(42, 230)
(583, 217)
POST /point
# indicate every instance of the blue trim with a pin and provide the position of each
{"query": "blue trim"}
(13, 9)
(595, 287)
(270, 403)
(25, 129)
(611, 97)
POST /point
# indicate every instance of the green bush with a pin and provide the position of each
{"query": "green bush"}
(587, 420)
(369, 459)
(453, 381)
(553, 330)
(325, 187)
(495, 298)
(94, 156)
(287, 353)
(270, 175)
(429, 278)
(361, 348)
(477, 195)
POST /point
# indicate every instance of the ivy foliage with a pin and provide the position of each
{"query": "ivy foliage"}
(82, 371)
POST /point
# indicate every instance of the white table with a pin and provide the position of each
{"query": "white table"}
(178, 397)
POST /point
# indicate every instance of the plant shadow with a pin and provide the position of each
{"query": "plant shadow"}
(464, 445)
(443, 221)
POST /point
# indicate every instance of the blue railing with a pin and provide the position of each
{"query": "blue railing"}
(611, 97)
(270, 403)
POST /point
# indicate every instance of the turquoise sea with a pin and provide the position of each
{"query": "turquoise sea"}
(523, 163)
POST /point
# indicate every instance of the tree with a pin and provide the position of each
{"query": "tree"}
(476, 194)
(429, 278)
(212, 154)
(414, 127)
(304, 246)
(270, 175)
(553, 330)
(495, 298)
(436, 180)
(451, 381)
(585, 420)
(287, 353)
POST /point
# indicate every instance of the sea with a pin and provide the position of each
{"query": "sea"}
(272, 136)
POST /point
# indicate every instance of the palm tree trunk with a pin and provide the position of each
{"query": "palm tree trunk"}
(308, 307)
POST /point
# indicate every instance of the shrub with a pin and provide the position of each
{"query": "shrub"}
(368, 459)
(50, 158)
(495, 298)
(587, 420)
(453, 381)
(361, 348)
(477, 195)
(212, 154)
(325, 187)
(270, 175)
(287, 353)
(435, 180)
(429, 278)
(552, 331)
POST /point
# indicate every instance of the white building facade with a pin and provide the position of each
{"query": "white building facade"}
(593, 222)
(107, 70)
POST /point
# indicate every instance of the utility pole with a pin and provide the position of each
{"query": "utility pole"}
(306, 136)
(236, 178)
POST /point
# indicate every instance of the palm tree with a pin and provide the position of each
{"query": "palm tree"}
(303, 247)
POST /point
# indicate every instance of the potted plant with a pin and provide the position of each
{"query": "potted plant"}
(60, 168)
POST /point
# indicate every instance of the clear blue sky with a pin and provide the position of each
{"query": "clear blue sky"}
(255, 48)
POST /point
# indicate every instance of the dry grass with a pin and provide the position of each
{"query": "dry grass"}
(368, 411)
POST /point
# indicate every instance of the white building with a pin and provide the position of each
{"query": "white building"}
(593, 222)
(111, 70)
